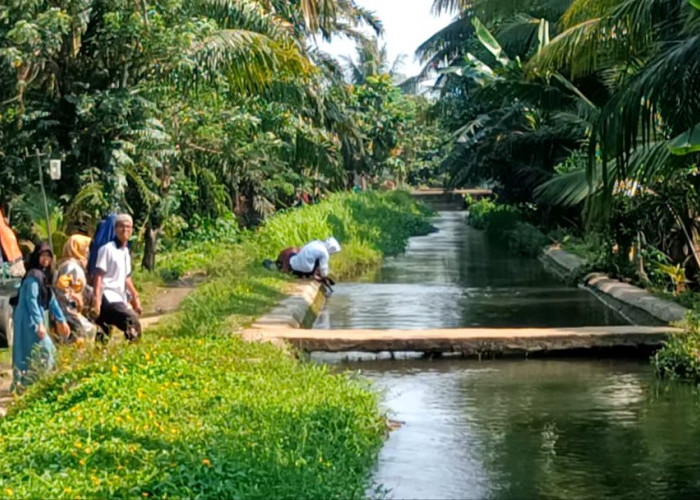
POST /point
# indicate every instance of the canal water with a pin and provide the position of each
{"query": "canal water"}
(456, 277)
(511, 428)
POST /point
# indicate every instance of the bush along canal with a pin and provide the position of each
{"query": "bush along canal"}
(520, 427)
(193, 411)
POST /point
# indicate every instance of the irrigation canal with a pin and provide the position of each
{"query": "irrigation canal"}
(553, 427)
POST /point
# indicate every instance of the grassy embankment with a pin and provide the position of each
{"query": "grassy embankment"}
(194, 411)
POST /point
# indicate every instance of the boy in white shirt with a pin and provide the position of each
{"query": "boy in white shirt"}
(113, 280)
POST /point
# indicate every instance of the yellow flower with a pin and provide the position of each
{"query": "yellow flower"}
(88, 450)
(9, 492)
(67, 489)
(206, 462)
(78, 444)
(114, 368)
(82, 461)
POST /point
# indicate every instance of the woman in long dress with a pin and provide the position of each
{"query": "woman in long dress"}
(33, 351)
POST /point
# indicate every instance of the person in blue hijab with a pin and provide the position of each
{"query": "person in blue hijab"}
(33, 350)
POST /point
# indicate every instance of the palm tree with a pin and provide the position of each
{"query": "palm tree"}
(372, 60)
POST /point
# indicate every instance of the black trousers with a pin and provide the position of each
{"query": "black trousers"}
(118, 314)
(299, 274)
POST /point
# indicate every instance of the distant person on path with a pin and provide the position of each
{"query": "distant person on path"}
(72, 290)
(113, 282)
(33, 351)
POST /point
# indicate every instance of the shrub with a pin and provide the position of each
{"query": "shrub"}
(526, 239)
(478, 211)
(505, 223)
(679, 358)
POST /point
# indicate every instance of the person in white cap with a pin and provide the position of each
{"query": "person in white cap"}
(113, 281)
(313, 259)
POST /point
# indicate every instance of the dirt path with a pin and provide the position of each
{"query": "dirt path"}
(167, 300)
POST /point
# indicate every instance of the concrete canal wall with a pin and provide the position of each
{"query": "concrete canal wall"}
(638, 305)
(290, 321)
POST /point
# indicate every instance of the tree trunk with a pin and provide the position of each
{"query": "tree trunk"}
(151, 241)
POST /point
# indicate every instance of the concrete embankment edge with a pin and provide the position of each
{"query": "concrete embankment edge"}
(298, 310)
(633, 302)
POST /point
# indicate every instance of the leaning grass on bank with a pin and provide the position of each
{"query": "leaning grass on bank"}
(679, 357)
(193, 411)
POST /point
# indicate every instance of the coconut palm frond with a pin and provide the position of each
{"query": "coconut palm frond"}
(666, 85)
(238, 14)
(368, 17)
(565, 190)
(582, 10)
(249, 59)
(448, 6)
(519, 34)
(319, 15)
(447, 41)
(584, 48)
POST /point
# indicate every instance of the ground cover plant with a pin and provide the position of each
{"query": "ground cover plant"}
(196, 412)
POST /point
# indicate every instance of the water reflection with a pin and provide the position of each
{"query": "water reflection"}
(511, 428)
(535, 428)
(457, 278)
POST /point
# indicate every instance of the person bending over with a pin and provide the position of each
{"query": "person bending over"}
(312, 261)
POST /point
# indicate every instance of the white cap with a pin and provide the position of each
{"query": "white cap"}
(332, 245)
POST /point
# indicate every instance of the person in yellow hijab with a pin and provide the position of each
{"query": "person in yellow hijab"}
(72, 290)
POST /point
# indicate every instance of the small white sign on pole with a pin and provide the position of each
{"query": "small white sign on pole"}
(55, 169)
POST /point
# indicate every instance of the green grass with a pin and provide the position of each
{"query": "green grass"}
(193, 411)
(209, 417)
(5, 358)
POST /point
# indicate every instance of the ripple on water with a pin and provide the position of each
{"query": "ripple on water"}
(511, 428)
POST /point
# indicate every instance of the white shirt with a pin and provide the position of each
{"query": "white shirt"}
(305, 260)
(115, 263)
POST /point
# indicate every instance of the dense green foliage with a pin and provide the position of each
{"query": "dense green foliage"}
(185, 113)
(192, 410)
(507, 224)
(588, 109)
(338, 215)
(680, 356)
